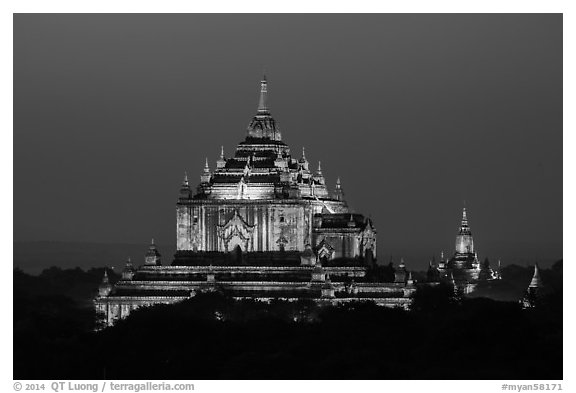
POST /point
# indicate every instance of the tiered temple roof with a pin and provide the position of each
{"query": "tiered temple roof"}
(261, 164)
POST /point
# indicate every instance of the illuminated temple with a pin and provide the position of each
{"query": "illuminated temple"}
(463, 270)
(261, 224)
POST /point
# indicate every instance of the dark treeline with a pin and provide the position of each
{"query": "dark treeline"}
(214, 337)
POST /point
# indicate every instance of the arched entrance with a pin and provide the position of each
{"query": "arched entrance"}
(369, 257)
(237, 252)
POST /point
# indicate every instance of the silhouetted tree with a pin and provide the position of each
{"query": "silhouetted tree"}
(439, 297)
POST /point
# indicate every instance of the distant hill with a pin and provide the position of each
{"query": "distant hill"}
(33, 257)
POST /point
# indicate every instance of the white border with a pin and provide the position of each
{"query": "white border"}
(297, 6)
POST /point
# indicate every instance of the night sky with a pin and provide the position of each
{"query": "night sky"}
(415, 113)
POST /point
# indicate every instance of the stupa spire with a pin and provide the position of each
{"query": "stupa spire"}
(206, 175)
(338, 192)
(185, 191)
(263, 101)
(105, 286)
(152, 255)
(533, 295)
(129, 271)
(536, 280)
(303, 161)
(221, 161)
(464, 240)
(464, 218)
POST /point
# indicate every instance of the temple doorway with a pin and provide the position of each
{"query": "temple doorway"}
(237, 252)
(369, 257)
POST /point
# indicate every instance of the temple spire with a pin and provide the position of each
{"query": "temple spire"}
(464, 240)
(185, 191)
(464, 217)
(533, 295)
(152, 255)
(303, 161)
(338, 192)
(410, 280)
(129, 271)
(206, 175)
(221, 161)
(536, 280)
(263, 101)
(105, 286)
(319, 177)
